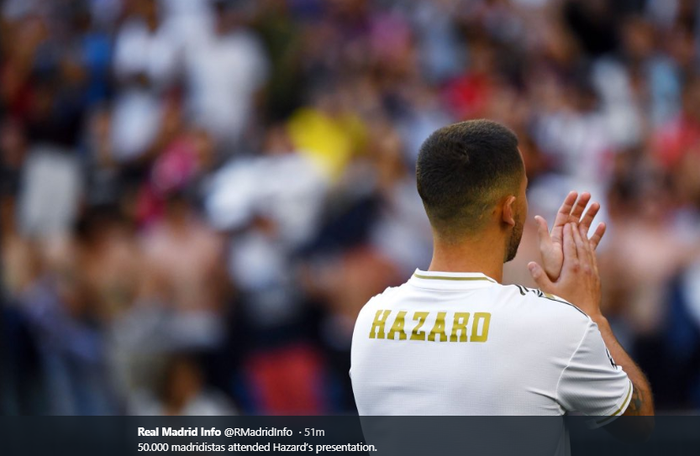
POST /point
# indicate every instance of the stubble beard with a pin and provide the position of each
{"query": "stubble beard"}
(514, 240)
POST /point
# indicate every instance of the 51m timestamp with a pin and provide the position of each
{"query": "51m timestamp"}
(312, 432)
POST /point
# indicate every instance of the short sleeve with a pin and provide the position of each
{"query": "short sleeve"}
(592, 383)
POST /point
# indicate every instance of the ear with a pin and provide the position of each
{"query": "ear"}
(508, 211)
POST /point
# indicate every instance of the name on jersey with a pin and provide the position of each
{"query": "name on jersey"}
(430, 326)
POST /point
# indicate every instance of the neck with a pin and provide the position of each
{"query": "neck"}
(480, 253)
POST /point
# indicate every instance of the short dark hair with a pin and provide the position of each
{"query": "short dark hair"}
(462, 171)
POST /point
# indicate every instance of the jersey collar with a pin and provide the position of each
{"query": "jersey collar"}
(450, 280)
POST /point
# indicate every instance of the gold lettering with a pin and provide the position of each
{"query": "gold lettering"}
(484, 335)
(420, 318)
(459, 324)
(377, 330)
(397, 327)
(438, 328)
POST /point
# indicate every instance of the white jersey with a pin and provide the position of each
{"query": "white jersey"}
(463, 344)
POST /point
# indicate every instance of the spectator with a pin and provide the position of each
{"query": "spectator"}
(225, 74)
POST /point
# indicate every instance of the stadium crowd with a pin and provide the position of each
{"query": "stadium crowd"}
(198, 196)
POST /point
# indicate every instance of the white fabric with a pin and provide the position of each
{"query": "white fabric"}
(224, 73)
(139, 50)
(136, 119)
(50, 191)
(287, 188)
(541, 355)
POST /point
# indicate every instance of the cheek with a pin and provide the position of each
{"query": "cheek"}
(524, 208)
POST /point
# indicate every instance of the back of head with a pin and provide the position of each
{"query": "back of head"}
(463, 170)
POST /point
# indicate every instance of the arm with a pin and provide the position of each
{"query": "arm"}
(579, 283)
(642, 403)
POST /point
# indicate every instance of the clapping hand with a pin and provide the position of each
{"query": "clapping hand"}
(571, 211)
(579, 281)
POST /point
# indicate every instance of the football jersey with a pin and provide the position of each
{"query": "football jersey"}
(463, 344)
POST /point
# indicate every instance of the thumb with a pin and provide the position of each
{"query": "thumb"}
(539, 276)
(543, 232)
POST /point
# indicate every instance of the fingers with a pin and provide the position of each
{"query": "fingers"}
(565, 209)
(539, 276)
(570, 253)
(591, 250)
(597, 235)
(580, 205)
(572, 209)
(590, 214)
(586, 255)
(582, 247)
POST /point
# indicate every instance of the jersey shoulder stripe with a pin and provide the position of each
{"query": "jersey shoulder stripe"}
(541, 294)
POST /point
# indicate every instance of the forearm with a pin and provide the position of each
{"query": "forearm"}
(642, 403)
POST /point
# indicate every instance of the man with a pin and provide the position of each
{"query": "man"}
(454, 341)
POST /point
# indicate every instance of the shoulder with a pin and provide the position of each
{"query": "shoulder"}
(560, 325)
(381, 298)
(549, 306)
(537, 294)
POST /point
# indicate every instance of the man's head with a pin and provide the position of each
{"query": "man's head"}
(471, 178)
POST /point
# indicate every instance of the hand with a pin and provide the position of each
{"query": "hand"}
(579, 281)
(569, 212)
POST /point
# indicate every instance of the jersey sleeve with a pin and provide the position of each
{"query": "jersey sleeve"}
(592, 383)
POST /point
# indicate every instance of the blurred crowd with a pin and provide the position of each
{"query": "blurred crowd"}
(198, 196)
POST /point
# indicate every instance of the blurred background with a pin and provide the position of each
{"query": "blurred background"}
(197, 196)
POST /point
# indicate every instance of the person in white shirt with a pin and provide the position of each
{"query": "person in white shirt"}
(454, 341)
(225, 70)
